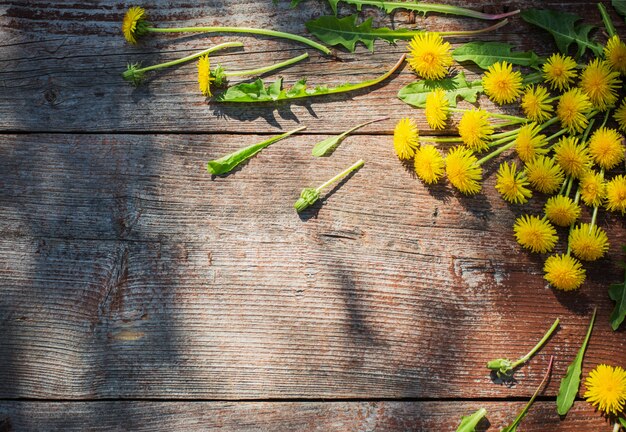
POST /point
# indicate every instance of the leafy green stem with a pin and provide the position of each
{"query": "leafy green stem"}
(257, 92)
(227, 163)
(262, 70)
(328, 145)
(369, 83)
(249, 30)
(606, 19)
(135, 74)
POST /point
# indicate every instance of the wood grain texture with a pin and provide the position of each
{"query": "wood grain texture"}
(60, 66)
(287, 416)
(129, 272)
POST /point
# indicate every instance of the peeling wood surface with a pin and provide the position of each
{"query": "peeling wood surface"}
(127, 272)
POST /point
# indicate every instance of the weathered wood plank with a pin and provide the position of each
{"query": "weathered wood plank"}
(60, 65)
(287, 416)
(277, 319)
(128, 272)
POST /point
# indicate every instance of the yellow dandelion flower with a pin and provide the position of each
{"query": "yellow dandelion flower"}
(501, 84)
(572, 109)
(592, 188)
(616, 194)
(405, 139)
(535, 104)
(562, 210)
(572, 156)
(512, 184)
(600, 83)
(429, 164)
(620, 116)
(606, 389)
(475, 129)
(429, 55)
(615, 54)
(463, 170)
(544, 174)
(564, 272)
(436, 110)
(204, 75)
(535, 234)
(134, 24)
(588, 243)
(559, 71)
(606, 147)
(529, 143)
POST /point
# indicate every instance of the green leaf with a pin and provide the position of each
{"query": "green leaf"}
(571, 381)
(468, 423)
(564, 28)
(327, 146)
(347, 33)
(484, 54)
(457, 87)
(619, 6)
(617, 292)
(230, 161)
(419, 6)
(622, 421)
(258, 91)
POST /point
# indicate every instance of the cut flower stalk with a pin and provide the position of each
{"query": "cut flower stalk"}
(135, 26)
(309, 196)
(135, 74)
(504, 367)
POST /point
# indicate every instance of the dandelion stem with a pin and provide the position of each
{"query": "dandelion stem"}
(442, 140)
(501, 141)
(616, 427)
(505, 134)
(190, 57)
(538, 346)
(570, 183)
(556, 135)
(250, 30)
(548, 123)
(495, 115)
(606, 118)
(593, 218)
(262, 70)
(586, 132)
(358, 164)
(495, 153)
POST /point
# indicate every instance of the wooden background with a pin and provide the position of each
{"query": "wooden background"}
(139, 293)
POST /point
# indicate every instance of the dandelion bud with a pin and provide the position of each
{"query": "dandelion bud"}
(308, 197)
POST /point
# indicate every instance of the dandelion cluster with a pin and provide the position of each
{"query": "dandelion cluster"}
(566, 146)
